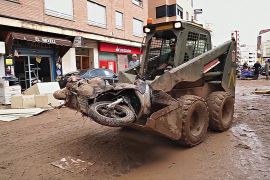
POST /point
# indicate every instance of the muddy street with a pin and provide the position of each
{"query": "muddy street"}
(29, 146)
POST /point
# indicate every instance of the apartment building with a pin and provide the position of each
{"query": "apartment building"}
(247, 54)
(170, 10)
(263, 45)
(47, 38)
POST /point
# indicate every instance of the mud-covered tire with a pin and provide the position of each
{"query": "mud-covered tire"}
(221, 110)
(96, 116)
(195, 119)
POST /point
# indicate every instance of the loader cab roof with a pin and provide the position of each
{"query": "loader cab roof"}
(174, 25)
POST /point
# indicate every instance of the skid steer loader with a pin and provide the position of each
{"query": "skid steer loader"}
(181, 87)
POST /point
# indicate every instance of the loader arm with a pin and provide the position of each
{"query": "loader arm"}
(193, 70)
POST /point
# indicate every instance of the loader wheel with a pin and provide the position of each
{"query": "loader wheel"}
(120, 115)
(195, 120)
(221, 109)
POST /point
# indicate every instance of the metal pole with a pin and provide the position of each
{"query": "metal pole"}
(29, 71)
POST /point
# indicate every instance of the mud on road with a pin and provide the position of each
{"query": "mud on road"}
(28, 146)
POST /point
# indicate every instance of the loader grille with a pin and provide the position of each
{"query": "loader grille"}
(196, 45)
(202, 45)
(155, 48)
(158, 50)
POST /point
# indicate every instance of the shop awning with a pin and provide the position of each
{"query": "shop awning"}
(62, 45)
(40, 39)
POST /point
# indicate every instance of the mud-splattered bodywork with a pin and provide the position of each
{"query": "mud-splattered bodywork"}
(193, 72)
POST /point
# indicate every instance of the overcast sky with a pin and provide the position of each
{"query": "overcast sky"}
(247, 16)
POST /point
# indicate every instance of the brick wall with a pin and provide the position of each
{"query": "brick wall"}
(34, 10)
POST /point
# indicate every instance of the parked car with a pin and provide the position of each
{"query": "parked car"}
(246, 73)
(106, 74)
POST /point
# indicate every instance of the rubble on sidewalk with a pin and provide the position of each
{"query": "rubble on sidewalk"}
(33, 101)
(261, 91)
(14, 114)
(39, 95)
(7, 91)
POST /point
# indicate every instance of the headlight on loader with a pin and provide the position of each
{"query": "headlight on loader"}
(146, 30)
(177, 25)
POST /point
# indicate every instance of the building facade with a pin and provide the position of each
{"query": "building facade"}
(171, 10)
(263, 45)
(248, 54)
(48, 38)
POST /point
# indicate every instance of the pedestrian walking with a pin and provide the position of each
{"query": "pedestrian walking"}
(266, 68)
(134, 62)
(257, 66)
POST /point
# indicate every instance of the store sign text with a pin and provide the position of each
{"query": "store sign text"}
(45, 40)
(122, 50)
(114, 48)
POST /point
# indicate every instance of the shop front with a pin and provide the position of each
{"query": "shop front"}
(116, 57)
(34, 58)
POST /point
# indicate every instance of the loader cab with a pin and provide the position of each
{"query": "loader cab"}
(171, 44)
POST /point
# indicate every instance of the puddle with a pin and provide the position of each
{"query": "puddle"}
(251, 151)
(248, 137)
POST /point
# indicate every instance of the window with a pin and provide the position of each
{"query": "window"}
(137, 27)
(82, 59)
(180, 11)
(56, 8)
(138, 2)
(107, 73)
(118, 20)
(96, 14)
(161, 51)
(169, 11)
(196, 45)
(16, 1)
(161, 11)
(201, 45)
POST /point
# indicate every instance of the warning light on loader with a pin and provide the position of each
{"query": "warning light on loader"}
(149, 21)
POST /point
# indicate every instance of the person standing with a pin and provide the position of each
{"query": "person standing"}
(266, 68)
(245, 65)
(134, 62)
(257, 66)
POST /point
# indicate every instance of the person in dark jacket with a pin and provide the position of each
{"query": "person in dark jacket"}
(257, 66)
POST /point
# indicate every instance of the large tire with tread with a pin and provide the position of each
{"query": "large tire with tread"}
(120, 116)
(221, 110)
(195, 119)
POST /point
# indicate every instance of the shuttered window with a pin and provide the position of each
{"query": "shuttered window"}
(137, 27)
(59, 8)
(96, 14)
(118, 20)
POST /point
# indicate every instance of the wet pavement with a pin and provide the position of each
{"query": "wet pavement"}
(29, 146)
(252, 129)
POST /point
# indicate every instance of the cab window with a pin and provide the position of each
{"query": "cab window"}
(195, 46)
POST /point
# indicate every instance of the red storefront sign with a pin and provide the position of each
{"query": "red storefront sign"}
(115, 48)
